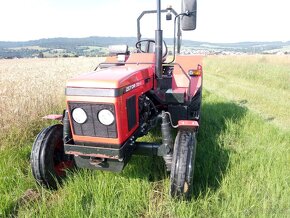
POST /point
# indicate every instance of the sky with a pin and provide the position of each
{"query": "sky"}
(217, 21)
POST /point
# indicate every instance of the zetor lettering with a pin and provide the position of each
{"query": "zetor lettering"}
(133, 86)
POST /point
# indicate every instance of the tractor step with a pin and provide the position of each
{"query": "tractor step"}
(176, 96)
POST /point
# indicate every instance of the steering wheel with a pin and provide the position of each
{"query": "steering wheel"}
(148, 46)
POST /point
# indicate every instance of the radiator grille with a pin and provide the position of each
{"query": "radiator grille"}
(93, 127)
(131, 112)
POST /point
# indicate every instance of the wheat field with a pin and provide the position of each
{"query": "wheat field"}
(32, 88)
(243, 153)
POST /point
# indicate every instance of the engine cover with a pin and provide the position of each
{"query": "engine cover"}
(115, 89)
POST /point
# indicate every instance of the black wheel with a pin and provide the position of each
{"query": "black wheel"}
(48, 160)
(182, 167)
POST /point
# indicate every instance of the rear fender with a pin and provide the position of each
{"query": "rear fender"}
(188, 65)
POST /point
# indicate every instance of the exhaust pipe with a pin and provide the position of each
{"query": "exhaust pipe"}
(158, 43)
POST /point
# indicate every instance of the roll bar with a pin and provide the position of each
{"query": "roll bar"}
(139, 35)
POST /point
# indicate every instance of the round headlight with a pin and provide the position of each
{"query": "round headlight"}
(106, 117)
(79, 115)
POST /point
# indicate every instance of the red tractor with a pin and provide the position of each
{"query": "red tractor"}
(123, 99)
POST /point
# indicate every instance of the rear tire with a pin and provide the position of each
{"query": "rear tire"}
(48, 160)
(182, 167)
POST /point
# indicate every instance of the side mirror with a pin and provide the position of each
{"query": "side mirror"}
(188, 21)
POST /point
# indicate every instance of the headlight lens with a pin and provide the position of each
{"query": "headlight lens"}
(106, 117)
(79, 115)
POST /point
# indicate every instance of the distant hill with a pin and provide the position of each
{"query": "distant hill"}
(71, 42)
(92, 46)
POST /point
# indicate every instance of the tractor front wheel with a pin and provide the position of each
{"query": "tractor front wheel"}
(48, 160)
(182, 167)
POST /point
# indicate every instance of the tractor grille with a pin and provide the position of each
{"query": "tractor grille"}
(131, 112)
(92, 126)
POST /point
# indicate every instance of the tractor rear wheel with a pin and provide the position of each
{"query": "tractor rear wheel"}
(182, 167)
(48, 160)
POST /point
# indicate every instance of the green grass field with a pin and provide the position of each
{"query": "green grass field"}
(243, 154)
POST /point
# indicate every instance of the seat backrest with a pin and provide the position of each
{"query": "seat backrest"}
(114, 52)
(118, 49)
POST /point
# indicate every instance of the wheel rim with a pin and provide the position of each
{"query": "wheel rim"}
(61, 164)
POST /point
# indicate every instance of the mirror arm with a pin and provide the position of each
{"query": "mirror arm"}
(188, 13)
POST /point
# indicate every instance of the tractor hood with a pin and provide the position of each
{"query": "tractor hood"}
(111, 78)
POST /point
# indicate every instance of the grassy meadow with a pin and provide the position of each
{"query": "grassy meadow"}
(243, 154)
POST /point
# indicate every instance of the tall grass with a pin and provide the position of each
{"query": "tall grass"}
(262, 83)
(242, 165)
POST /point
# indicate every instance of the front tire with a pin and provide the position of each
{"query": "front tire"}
(48, 160)
(182, 167)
